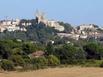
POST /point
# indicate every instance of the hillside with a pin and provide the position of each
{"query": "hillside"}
(35, 32)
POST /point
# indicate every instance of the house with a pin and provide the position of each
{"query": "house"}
(86, 26)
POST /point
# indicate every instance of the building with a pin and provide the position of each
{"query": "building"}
(72, 36)
(86, 26)
(10, 25)
(40, 17)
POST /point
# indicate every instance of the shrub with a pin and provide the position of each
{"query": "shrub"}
(40, 60)
(7, 65)
(18, 60)
(53, 60)
(101, 65)
(93, 63)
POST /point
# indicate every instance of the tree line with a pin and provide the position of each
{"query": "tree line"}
(15, 54)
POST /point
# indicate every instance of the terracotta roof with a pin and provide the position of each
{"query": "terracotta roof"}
(37, 54)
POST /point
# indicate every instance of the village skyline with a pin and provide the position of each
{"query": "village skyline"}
(71, 11)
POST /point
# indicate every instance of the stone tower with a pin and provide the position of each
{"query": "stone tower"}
(40, 16)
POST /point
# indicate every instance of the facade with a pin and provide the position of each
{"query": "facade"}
(86, 26)
(10, 25)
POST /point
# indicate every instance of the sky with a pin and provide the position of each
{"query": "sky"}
(75, 12)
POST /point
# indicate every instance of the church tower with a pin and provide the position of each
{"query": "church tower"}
(39, 16)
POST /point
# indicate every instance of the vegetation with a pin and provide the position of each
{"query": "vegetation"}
(14, 53)
(35, 32)
(34, 49)
(7, 65)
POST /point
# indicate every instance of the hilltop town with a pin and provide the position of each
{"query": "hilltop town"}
(17, 24)
(83, 31)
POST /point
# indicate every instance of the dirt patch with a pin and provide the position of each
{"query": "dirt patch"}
(58, 72)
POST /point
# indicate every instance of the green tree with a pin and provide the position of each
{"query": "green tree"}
(94, 50)
(28, 48)
(4, 51)
(50, 48)
(69, 54)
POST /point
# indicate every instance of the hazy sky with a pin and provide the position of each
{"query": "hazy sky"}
(72, 11)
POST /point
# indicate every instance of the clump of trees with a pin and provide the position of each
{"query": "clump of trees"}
(94, 51)
(15, 54)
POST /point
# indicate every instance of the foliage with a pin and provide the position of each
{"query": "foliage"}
(69, 54)
(18, 60)
(14, 54)
(35, 32)
(53, 60)
(49, 48)
(7, 65)
(40, 60)
(4, 50)
(67, 26)
(93, 63)
(28, 48)
(94, 51)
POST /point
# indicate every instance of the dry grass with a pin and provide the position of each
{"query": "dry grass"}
(58, 72)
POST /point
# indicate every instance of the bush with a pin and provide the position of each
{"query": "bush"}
(18, 60)
(101, 65)
(7, 65)
(93, 63)
(40, 62)
(53, 60)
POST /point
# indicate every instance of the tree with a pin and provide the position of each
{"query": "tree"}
(67, 26)
(69, 54)
(4, 51)
(93, 50)
(28, 48)
(50, 48)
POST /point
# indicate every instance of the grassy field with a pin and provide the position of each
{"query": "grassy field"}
(58, 72)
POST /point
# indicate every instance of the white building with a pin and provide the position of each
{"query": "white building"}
(73, 36)
(10, 25)
(86, 26)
